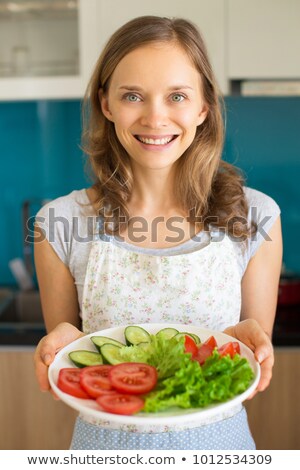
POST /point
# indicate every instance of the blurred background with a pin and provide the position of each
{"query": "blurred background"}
(47, 53)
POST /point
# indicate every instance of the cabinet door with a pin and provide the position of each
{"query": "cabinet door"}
(208, 15)
(30, 419)
(274, 415)
(46, 48)
(263, 39)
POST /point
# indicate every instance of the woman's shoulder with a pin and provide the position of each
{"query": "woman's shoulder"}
(73, 203)
(260, 204)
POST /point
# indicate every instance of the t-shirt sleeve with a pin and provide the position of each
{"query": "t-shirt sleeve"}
(264, 211)
(55, 219)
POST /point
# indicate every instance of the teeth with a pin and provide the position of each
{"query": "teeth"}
(163, 141)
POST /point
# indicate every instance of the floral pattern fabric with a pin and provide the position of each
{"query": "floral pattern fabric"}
(123, 287)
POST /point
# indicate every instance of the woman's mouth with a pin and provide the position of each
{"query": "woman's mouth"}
(156, 140)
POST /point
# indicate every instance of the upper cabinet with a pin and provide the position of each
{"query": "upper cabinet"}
(208, 15)
(48, 48)
(263, 39)
(45, 48)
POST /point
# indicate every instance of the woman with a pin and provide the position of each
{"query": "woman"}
(175, 239)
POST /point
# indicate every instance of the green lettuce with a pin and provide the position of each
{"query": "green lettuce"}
(195, 386)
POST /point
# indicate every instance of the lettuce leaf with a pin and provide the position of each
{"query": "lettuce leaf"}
(195, 386)
(167, 355)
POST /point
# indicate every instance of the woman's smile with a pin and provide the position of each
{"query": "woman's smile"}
(155, 102)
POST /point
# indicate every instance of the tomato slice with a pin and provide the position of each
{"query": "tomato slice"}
(133, 377)
(190, 346)
(231, 348)
(204, 351)
(120, 404)
(69, 382)
(94, 379)
(211, 341)
(236, 347)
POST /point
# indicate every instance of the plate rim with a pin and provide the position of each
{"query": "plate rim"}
(160, 418)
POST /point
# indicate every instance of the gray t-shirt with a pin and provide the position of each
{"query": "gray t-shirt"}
(70, 225)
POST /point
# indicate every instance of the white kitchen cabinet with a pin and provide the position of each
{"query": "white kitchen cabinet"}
(263, 39)
(48, 48)
(208, 15)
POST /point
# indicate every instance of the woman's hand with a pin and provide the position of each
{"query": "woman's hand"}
(48, 346)
(251, 333)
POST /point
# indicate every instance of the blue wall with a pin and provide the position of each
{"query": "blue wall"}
(41, 158)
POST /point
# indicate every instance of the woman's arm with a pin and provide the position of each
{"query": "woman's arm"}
(59, 304)
(259, 301)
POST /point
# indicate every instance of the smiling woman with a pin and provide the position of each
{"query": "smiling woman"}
(154, 137)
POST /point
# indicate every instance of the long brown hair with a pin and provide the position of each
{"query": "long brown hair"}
(206, 186)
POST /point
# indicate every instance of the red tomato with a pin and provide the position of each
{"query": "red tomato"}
(133, 377)
(236, 347)
(231, 348)
(94, 379)
(211, 341)
(204, 351)
(69, 382)
(120, 404)
(189, 345)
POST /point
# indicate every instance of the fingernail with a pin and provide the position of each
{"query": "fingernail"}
(260, 357)
(47, 359)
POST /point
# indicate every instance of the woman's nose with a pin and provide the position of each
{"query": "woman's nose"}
(155, 115)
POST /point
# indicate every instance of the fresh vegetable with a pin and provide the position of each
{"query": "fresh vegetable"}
(69, 382)
(120, 403)
(193, 386)
(169, 368)
(136, 335)
(82, 358)
(134, 378)
(99, 341)
(95, 378)
(190, 347)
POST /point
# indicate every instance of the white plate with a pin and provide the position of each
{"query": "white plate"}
(168, 417)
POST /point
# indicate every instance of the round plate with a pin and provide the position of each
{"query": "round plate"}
(168, 417)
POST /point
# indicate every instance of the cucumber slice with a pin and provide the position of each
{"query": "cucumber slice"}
(167, 333)
(191, 335)
(82, 358)
(196, 338)
(111, 354)
(99, 341)
(135, 335)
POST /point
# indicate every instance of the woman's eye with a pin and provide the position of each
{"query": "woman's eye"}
(178, 97)
(132, 98)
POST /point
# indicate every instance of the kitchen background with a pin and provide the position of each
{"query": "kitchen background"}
(47, 52)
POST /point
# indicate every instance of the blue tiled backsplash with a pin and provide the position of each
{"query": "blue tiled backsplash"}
(41, 159)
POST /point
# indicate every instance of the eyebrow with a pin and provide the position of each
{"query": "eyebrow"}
(172, 88)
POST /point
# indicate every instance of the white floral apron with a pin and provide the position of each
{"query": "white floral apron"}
(127, 285)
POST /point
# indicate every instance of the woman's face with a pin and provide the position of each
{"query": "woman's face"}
(155, 102)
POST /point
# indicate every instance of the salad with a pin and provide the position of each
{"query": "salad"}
(155, 372)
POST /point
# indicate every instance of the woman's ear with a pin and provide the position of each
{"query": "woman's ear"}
(103, 98)
(202, 114)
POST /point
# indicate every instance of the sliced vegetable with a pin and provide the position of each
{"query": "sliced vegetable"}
(211, 341)
(135, 335)
(204, 351)
(121, 404)
(167, 333)
(190, 347)
(83, 358)
(134, 378)
(69, 382)
(94, 378)
(99, 341)
(231, 348)
(111, 354)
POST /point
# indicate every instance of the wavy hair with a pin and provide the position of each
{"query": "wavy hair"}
(209, 189)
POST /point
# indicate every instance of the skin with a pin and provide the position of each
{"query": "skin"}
(144, 100)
